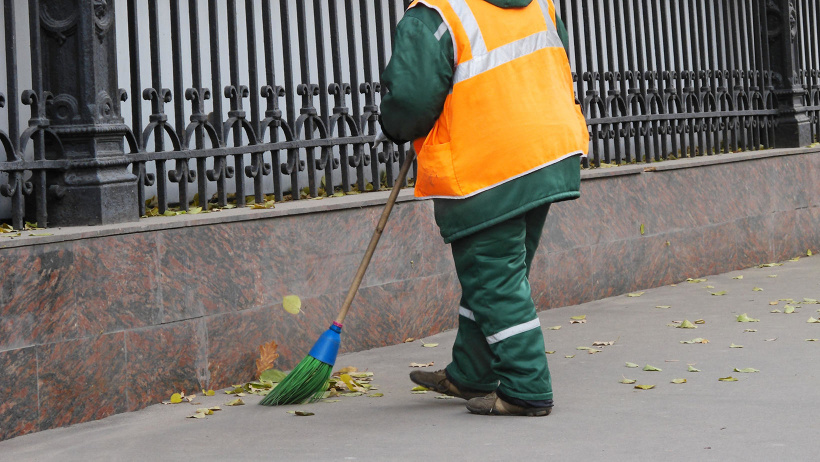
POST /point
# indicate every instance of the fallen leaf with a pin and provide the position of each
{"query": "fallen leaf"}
(198, 415)
(700, 321)
(757, 289)
(272, 376)
(788, 309)
(722, 292)
(628, 381)
(747, 370)
(770, 265)
(579, 318)
(444, 397)
(678, 381)
(693, 341)
(735, 346)
(429, 345)
(419, 392)
(359, 393)
(709, 287)
(686, 324)
(643, 229)
(811, 301)
(644, 387)
(750, 330)
(727, 379)
(346, 370)
(409, 339)
(235, 402)
(813, 339)
(330, 401)
(292, 304)
(774, 303)
(569, 356)
(809, 253)
(603, 343)
(770, 339)
(775, 311)
(693, 369)
(204, 410)
(208, 393)
(267, 356)
(695, 281)
(631, 365)
(375, 395)
(649, 368)
(422, 365)
(555, 328)
(176, 398)
(738, 277)
(577, 321)
(635, 294)
(419, 388)
(593, 351)
(745, 318)
(772, 276)
(663, 307)
(550, 352)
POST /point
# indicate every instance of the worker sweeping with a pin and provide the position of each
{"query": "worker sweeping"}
(484, 90)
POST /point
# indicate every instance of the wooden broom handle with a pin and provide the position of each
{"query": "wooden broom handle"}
(377, 234)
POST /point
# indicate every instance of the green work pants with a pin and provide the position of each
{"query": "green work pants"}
(499, 344)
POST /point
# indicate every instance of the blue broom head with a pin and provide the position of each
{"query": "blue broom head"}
(326, 347)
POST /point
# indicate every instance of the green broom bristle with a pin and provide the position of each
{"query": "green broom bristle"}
(306, 382)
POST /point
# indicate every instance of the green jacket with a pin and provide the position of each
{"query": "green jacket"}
(417, 80)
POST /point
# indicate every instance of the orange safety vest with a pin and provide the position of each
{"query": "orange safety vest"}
(511, 109)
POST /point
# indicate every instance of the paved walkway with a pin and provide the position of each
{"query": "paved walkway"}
(766, 415)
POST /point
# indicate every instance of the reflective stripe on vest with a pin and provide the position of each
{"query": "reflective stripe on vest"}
(511, 77)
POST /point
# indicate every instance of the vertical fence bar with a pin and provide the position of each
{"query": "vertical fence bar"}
(273, 114)
(181, 173)
(16, 185)
(37, 101)
(221, 172)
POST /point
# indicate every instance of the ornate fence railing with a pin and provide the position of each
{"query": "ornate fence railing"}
(237, 102)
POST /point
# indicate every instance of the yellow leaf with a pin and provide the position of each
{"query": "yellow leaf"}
(727, 379)
(722, 292)
(579, 318)
(643, 229)
(176, 398)
(809, 253)
(679, 381)
(663, 307)
(235, 402)
(635, 294)
(569, 356)
(555, 328)
(550, 352)
(429, 345)
(195, 210)
(292, 304)
(738, 277)
(757, 289)
(418, 388)
(628, 381)
(209, 393)
(686, 324)
(644, 387)
(735, 346)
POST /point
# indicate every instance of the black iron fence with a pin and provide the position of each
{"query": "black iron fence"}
(248, 102)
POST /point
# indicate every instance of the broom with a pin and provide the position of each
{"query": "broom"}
(309, 379)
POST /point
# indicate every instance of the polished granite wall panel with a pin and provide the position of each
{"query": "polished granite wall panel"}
(81, 380)
(19, 405)
(570, 277)
(795, 232)
(125, 266)
(792, 181)
(233, 343)
(163, 360)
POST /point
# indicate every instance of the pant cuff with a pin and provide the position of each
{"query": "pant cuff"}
(466, 385)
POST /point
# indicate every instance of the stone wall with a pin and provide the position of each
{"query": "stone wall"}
(97, 321)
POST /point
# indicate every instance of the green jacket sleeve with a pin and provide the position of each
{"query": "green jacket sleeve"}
(418, 77)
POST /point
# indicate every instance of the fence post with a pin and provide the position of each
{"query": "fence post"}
(78, 56)
(793, 125)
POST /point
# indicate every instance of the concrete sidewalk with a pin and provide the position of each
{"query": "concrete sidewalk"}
(767, 415)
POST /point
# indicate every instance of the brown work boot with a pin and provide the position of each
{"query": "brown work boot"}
(493, 405)
(438, 381)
